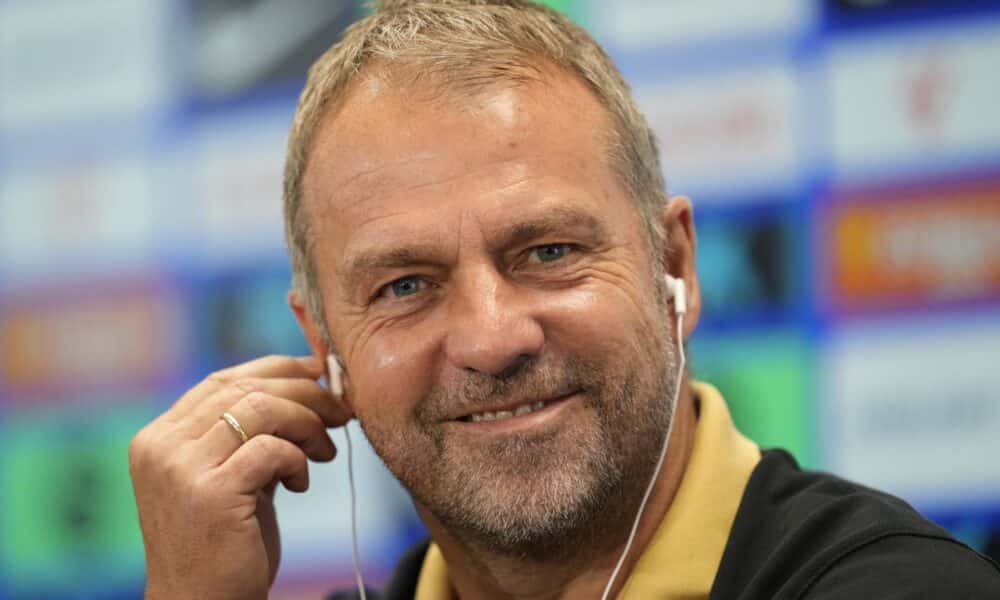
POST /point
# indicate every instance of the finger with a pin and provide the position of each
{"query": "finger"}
(262, 461)
(306, 392)
(262, 414)
(276, 366)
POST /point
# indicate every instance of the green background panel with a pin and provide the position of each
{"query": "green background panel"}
(765, 378)
(560, 5)
(67, 512)
(574, 9)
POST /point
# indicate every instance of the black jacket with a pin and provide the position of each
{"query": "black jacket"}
(801, 535)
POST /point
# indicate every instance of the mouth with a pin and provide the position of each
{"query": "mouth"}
(524, 413)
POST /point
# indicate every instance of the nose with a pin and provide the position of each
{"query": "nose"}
(491, 327)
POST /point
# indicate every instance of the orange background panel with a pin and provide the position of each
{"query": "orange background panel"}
(114, 338)
(930, 245)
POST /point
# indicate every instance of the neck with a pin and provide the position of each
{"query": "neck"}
(476, 573)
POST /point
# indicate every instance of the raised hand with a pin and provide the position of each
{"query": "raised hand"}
(205, 495)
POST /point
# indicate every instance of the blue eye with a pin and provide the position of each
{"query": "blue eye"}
(406, 286)
(551, 252)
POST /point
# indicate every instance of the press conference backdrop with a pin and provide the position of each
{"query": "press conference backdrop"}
(844, 162)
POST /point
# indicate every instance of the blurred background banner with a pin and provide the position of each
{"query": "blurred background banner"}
(843, 157)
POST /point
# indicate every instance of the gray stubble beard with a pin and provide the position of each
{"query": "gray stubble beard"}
(527, 497)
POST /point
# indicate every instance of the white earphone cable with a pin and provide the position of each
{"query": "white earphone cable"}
(659, 463)
(354, 516)
(336, 384)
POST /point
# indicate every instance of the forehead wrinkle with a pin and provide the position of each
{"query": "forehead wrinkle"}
(470, 172)
(369, 189)
(376, 218)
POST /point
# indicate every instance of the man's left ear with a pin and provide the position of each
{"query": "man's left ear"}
(317, 342)
(677, 220)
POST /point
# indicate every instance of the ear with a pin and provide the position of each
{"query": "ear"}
(317, 343)
(677, 220)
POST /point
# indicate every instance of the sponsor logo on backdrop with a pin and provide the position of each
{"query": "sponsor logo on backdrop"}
(908, 248)
(912, 408)
(928, 88)
(727, 132)
(60, 342)
(913, 98)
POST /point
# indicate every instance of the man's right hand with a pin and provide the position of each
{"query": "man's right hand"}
(205, 498)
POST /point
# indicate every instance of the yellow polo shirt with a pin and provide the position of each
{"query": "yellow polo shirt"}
(683, 556)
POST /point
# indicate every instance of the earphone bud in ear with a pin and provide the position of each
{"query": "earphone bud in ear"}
(678, 293)
(334, 373)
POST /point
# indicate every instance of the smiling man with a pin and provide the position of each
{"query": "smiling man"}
(480, 236)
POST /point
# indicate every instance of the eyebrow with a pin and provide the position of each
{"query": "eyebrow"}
(366, 262)
(554, 221)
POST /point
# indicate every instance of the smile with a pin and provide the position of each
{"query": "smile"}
(505, 414)
(516, 417)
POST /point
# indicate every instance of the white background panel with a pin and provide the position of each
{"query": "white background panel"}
(914, 98)
(651, 23)
(68, 61)
(93, 215)
(914, 408)
(728, 131)
(237, 163)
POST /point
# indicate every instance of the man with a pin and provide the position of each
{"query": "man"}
(479, 234)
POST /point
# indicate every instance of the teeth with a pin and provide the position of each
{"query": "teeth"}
(506, 414)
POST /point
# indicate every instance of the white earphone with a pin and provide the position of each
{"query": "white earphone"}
(334, 375)
(676, 293)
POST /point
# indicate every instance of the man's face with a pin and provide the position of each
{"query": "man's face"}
(489, 289)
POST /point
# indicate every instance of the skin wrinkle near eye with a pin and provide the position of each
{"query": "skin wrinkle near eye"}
(606, 269)
(363, 265)
(601, 266)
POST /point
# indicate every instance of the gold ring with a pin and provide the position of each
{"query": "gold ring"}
(231, 420)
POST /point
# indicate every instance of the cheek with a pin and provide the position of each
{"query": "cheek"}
(391, 375)
(597, 322)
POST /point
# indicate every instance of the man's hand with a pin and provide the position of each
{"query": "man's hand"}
(205, 498)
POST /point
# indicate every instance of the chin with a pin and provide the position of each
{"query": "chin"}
(533, 497)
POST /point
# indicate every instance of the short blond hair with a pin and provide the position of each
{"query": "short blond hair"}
(466, 44)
